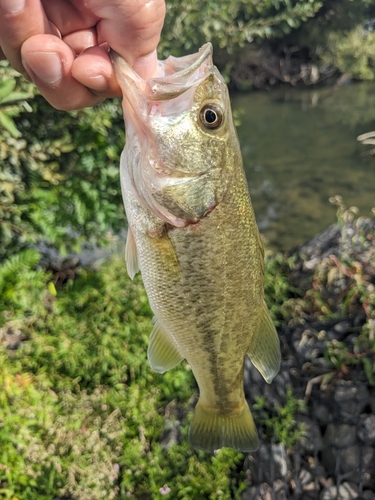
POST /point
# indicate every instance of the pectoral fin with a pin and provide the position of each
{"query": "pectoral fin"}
(264, 351)
(162, 350)
(131, 255)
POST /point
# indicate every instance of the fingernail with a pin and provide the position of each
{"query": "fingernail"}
(12, 6)
(46, 66)
(146, 66)
(98, 83)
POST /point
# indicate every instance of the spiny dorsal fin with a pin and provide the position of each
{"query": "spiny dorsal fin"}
(131, 255)
(264, 351)
(162, 350)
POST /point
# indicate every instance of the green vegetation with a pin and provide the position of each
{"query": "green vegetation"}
(81, 412)
(343, 285)
(341, 36)
(59, 178)
(280, 422)
(230, 24)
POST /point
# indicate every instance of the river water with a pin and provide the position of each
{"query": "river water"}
(299, 148)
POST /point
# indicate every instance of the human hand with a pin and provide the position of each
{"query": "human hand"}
(62, 45)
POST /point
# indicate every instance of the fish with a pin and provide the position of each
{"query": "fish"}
(193, 235)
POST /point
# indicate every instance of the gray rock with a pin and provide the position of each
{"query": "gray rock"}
(339, 331)
(308, 345)
(268, 464)
(368, 495)
(336, 439)
(345, 491)
(280, 458)
(368, 467)
(352, 397)
(263, 492)
(349, 459)
(322, 413)
(366, 431)
(312, 440)
(305, 477)
(341, 436)
(280, 490)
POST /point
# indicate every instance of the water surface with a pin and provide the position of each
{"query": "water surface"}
(299, 149)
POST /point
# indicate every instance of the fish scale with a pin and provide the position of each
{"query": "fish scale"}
(193, 235)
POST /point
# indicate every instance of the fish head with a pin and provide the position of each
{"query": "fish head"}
(180, 129)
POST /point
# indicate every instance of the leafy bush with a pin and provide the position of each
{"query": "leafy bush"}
(59, 178)
(341, 36)
(230, 24)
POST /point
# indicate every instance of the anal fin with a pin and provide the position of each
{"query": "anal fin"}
(131, 255)
(162, 350)
(264, 351)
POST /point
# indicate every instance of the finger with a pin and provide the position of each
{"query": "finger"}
(93, 69)
(19, 20)
(70, 16)
(49, 62)
(81, 40)
(132, 29)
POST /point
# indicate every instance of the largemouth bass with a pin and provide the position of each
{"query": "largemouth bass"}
(192, 234)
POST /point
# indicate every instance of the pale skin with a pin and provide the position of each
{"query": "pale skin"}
(62, 45)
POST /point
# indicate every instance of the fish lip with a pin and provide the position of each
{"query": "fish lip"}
(170, 85)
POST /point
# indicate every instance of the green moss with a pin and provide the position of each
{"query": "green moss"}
(82, 414)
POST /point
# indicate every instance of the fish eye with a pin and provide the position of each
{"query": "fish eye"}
(211, 116)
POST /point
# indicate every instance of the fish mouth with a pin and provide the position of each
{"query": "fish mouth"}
(175, 75)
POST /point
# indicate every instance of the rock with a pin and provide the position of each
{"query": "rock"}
(279, 488)
(263, 492)
(368, 466)
(280, 459)
(366, 430)
(368, 495)
(349, 459)
(336, 438)
(320, 246)
(308, 345)
(345, 491)
(268, 464)
(339, 331)
(322, 413)
(341, 436)
(312, 440)
(352, 398)
(305, 477)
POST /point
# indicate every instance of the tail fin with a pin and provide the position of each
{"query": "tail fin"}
(210, 431)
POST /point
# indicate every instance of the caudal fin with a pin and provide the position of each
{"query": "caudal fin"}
(210, 431)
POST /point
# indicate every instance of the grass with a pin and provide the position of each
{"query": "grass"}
(82, 416)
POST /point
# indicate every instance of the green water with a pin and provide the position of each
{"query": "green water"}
(299, 149)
